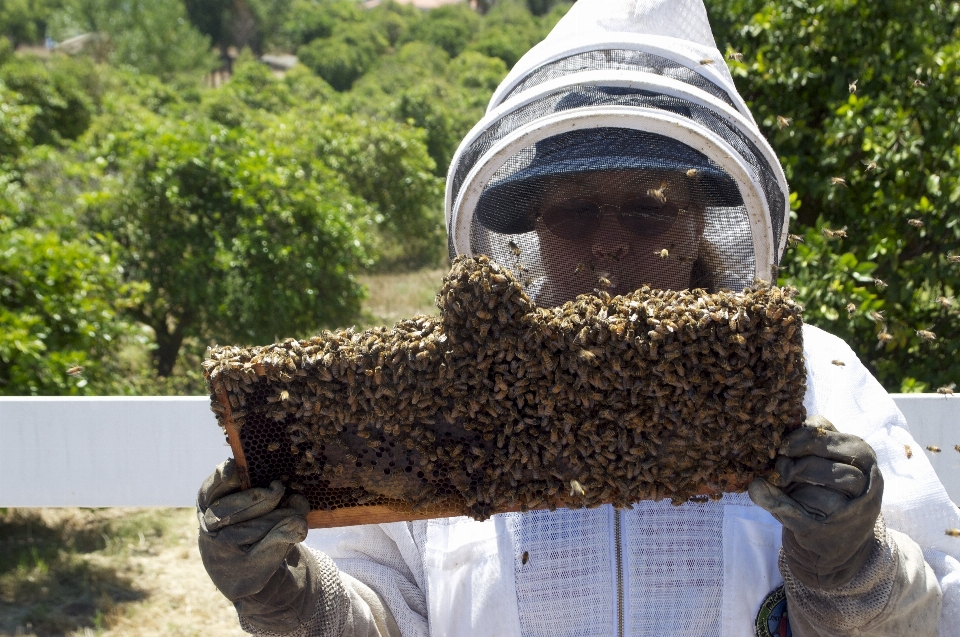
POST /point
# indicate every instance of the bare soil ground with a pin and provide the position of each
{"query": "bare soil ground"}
(137, 572)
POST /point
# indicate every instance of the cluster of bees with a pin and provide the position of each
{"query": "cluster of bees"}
(498, 405)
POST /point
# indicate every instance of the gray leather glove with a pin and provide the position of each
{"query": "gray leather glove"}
(826, 491)
(249, 543)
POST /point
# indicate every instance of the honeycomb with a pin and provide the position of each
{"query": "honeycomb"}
(498, 405)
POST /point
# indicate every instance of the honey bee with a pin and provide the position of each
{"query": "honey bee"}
(706, 61)
(693, 172)
(604, 282)
(933, 449)
(880, 283)
(576, 489)
(953, 532)
(580, 267)
(946, 390)
(838, 363)
(851, 310)
(736, 56)
(945, 302)
(876, 316)
(916, 223)
(835, 234)
(883, 337)
(852, 86)
(953, 258)
(871, 166)
(660, 194)
(956, 448)
(907, 450)
(838, 181)
(75, 371)
(917, 83)
(783, 122)
(926, 335)
(514, 248)
(794, 239)
(525, 557)
(273, 446)
(284, 395)
(586, 355)
(663, 254)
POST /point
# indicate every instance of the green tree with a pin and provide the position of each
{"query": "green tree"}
(450, 27)
(345, 55)
(239, 236)
(25, 21)
(153, 36)
(872, 90)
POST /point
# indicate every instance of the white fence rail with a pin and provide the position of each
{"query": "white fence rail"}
(155, 451)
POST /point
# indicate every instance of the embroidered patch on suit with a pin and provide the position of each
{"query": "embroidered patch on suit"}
(772, 616)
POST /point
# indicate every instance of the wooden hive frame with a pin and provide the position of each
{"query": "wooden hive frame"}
(498, 405)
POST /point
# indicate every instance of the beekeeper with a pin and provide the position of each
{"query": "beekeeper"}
(618, 153)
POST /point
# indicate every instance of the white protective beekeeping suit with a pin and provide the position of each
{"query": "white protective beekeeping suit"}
(644, 77)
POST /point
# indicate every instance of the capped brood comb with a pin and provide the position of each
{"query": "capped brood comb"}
(498, 405)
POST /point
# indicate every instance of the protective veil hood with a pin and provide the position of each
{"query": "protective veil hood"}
(622, 86)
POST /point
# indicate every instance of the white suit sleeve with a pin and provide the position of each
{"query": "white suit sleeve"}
(380, 565)
(916, 507)
(895, 594)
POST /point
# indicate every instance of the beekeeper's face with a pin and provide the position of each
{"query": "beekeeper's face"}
(634, 228)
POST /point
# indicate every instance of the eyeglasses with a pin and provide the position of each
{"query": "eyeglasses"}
(578, 219)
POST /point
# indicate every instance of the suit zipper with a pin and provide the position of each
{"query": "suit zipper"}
(616, 536)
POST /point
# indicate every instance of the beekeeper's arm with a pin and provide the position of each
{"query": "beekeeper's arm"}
(844, 572)
(250, 546)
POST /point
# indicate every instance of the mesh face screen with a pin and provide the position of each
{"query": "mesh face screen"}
(579, 96)
(708, 244)
(618, 60)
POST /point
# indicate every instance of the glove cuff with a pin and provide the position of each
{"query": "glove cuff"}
(856, 602)
(306, 598)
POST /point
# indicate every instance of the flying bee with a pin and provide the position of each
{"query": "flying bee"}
(946, 390)
(917, 83)
(835, 234)
(514, 248)
(953, 258)
(883, 337)
(604, 282)
(838, 181)
(851, 310)
(870, 165)
(663, 254)
(838, 363)
(75, 371)
(576, 489)
(956, 448)
(273, 446)
(693, 172)
(876, 316)
(907, 450)
(284, 395)
(934, 449)
(660, 194)
(794, 239)
(736, 56)
(945, 302)
(926, 335)
(579, 268)
(880, 283)
(783, 122)
(706, 61)
(953, 532)
(916, 223)
(852, 86)
(525, 557)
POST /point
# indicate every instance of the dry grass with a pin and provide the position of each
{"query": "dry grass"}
(393, 297)
(137, 572)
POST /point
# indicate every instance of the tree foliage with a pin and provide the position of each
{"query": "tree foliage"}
(872, 90)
